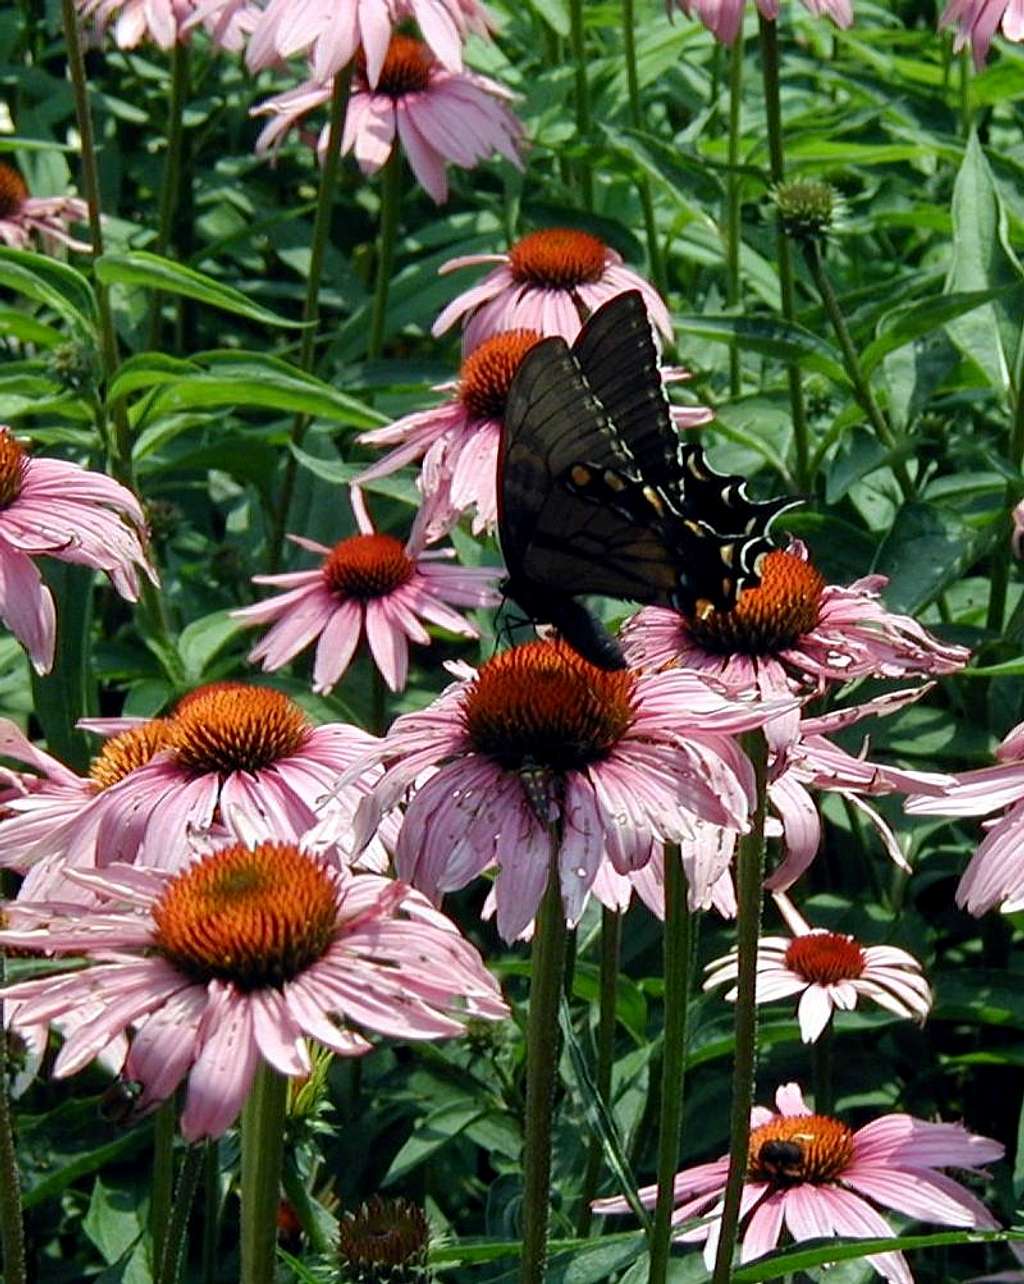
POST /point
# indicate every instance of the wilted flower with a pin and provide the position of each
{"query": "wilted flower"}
(549, 281)
(385, 1241)
(829, 970)
(52, 508)
(793, 633)
(243, 957)
(816, 1177)
(23, 217)
(540, 739)
(437, 116)
(367, 583)
(995, 875)
(459, 439)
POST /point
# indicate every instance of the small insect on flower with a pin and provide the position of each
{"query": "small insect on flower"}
(782, 1161)
(120, 1103)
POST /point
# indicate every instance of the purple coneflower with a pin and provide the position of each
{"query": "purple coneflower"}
(539, 740)
(978, 20)
(724, 18)
(549, 281)
(817, 1178)
(372, 584)
(241, 957)
(23, 217)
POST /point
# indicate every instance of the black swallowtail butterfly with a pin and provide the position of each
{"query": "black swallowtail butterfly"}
(598, 494)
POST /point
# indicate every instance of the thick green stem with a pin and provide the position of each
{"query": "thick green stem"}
(577, 41)
(165, 1127)
(646, 190)
(12, 1232)
(390, 198)
(733, 204)
(787, 288)
(211, 1210)
(176, 1235)
(542, 1047)
(861, 387)
(749, 877)
(611, 942)
(1000, 578)
(120, 443)
(673, 1064)
(169, 188)
(966, 110)
(262, 1152)
(821, 1053)
(68, 691)
(311, 307)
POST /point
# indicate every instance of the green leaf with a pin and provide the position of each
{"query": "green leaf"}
(983, 260)
(116, 1218)
(812, 1253)
(203, 639)
(52, 283)
(150, 271)
(783, 340)
(926, 549)
(431, 1133)
(146, 370)
(26, 329)
(905, 324)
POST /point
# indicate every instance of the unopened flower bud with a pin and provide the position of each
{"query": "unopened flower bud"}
(806, 208)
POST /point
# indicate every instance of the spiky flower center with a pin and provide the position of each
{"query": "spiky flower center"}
(384, 1239)
(542, 705)
(127, 752)
(13, 191)
(12, 468)
(558, 258)
(234, 727)
(769, 618)
(488, 371)
(407, 67)
(255, 916)
(791, 1149)
(825, 957)
(365, 566)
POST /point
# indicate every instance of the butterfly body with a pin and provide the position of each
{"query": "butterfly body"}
(598, 495)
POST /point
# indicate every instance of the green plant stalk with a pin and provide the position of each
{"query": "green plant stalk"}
(821, 1058)
(542, 1047)
(608, 993)
(673, 1064)
(749, 877)
(390, 197)
(176, 1238)
(66, 693)
(119, 444)
(263, 1122)
(578, 44)
(966, 110)
(12, 1230)
(733, 206)
(1000, 578)
(311, 306)
(211, 1210)
(161, 1195)
(851, 362)
(646, 190)
(171, 184)
(787, 288)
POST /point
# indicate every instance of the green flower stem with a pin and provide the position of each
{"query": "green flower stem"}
(821, 1056)
(390, 198)
(611, 943)
(966, 110)
(542, 1046)
(749, 877)
(578, 44)
(311, 307)
(119, 444)
(262, 1153)
(646, 190)
(171, 184)
(1000, 578)
(734, 191)
(211, 1210)
(787, 288)
(175, 1238)
(165, 1127)
(861, 387)
(12, 1231)
(673, 1064)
